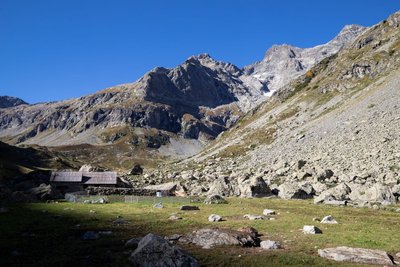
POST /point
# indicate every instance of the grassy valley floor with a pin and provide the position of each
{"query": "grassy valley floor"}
(50, 234)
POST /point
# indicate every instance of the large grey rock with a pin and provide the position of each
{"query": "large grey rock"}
(208, 238)
(133, 242)
(155, 251)
(220, 186)
(357, 255)
(254, 186)
(340, 192)
(319, 187)
(396, 191)
(88, 168)
(295, 191)
(378, 193)
(324, 174)
(44, 192)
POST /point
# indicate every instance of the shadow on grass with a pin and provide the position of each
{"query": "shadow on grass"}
(42, 235)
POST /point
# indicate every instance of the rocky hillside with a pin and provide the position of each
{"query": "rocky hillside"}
(283, 63)
(9, 101)
(331, 134)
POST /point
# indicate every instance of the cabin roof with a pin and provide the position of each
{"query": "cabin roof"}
(66, 177)
(99, 178)
(95, 178)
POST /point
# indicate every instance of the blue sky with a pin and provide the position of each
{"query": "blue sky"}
(58, 49)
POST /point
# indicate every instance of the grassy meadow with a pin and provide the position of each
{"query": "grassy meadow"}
(50, 234)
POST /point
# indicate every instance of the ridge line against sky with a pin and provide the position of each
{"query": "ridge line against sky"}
(56, 50)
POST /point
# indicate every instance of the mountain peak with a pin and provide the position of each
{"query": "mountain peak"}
(201, 56)
(204, 57)
(9, 101)
(159, 70)
(348, 32)
(283, 50)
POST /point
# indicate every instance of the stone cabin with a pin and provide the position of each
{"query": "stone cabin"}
(71, 181)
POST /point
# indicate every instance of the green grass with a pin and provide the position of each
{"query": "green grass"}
(46, 234)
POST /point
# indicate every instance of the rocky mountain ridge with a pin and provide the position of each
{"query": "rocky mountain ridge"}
(199, 97)
(283, 63)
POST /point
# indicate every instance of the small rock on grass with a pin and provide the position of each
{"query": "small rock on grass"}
(269, 244)
(15, 253)
(3, 210)
(189, 208)
(214, 218)
(329, 219)
(268, 212)
(90, 235)
(105, 233)
(311, 230)
(158, 205)
(174, 217)
(120, 221)
(173, 238)
(253, 217)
